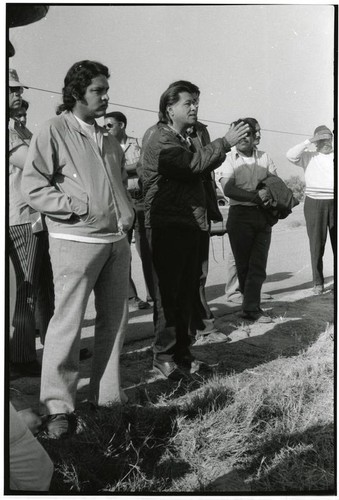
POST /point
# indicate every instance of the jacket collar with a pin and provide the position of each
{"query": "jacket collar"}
(73, 122)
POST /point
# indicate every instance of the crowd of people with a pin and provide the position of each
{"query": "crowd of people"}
(80, 193)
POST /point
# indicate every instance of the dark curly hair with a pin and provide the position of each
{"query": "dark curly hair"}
(78, 78)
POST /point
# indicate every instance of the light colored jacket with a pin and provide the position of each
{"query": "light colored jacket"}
(80, 190)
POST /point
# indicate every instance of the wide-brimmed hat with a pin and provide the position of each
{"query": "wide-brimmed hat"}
(320, 133)
(13, 79)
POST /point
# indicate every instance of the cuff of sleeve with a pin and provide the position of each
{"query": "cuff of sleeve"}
(307, 142)
(256, 199)
(226, 144)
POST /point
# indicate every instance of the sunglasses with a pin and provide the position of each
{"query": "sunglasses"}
(16, 90)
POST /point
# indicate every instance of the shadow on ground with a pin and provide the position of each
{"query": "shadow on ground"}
(298, 452)
(296, 325)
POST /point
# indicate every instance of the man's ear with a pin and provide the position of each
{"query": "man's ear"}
(122, 125)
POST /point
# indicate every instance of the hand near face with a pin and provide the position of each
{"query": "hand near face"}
(236, 133)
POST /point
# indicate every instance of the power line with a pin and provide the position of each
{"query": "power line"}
(152, 111)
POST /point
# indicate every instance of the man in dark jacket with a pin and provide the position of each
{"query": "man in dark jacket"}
(175, 214)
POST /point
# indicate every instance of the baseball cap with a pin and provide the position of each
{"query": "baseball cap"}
(321, 132)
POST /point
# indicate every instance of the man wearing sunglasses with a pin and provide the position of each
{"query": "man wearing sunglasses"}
(115, 124)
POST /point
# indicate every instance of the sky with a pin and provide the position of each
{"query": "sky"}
(272, 62)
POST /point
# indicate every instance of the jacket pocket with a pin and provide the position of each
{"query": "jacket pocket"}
(80, 205)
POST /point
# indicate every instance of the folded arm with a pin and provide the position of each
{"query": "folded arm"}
(239, 194)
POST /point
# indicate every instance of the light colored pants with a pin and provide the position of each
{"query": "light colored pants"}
(79, 269)
(30, 468)
(232, 283)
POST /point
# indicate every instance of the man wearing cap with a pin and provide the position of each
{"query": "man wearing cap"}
(319, 201)
(25, 248)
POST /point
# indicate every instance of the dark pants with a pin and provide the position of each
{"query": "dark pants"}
(175, 253)
(142, 246)
(201, 310)
(250, 238)
(25, 250)
(319, 216)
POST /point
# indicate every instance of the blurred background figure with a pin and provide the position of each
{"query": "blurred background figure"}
(319, 201)
(21, 118)
(25, 247)
(115, 124)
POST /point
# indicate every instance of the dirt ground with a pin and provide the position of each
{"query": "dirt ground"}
(298, 318)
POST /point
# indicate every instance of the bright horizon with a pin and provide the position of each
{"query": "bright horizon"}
(273, 62)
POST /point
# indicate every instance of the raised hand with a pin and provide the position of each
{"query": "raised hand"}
(236, 133)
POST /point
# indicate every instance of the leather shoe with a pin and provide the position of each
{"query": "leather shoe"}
(169, 369)
(236, 299)
(257, 316)
(136, 304)
(60, 425)
(318, 289)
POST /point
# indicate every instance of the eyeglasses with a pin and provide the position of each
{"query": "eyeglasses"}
(111, 125)
(16, 90)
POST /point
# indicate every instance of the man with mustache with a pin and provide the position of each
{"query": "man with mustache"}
(232, 292)
(247, 224)
(74, 175)
(319, 201)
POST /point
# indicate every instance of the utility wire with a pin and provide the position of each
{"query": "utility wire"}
(152, 111)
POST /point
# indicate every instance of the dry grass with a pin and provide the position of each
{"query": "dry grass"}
(268, 429)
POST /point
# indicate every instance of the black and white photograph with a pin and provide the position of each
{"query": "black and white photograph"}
(170, 241)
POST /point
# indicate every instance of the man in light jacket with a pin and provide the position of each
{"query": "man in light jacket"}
(74, 175)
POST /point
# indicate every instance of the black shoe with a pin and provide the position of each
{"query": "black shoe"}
(60, 425)
(85, 354)
(30, 369)
(169, 369)
(257, 316)
(136, 304)
(192, 365)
